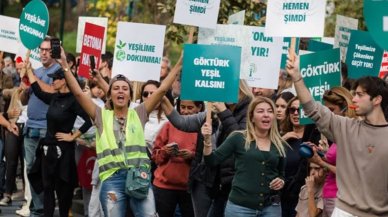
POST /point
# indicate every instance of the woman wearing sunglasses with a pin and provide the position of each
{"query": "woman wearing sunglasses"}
(54, 165)
(156, 118)
(120, 143)
(296, 166)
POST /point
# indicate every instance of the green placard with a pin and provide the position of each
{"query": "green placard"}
(320, 71)
(286, 46)
(376, 18)
(34, 23)
(314, 46)
(211, 73)
(364, 56)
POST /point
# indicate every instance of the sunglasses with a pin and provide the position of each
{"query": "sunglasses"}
(292, 110)
(57, 78)
(147, 93)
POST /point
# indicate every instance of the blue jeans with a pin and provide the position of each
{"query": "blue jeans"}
(114, 200)
(31, 141)
(234, 210)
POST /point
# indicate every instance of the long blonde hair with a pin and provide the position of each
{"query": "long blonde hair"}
(341, 97)
(274, 134)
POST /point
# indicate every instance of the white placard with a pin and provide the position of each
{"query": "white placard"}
(201, 13)
(342, 33)
(234, 35)
(237, 18)
(34, 56)
(264, 62)
(290, 18)
(138, 51)
(101, 21)
(260, 55)
(9, 34)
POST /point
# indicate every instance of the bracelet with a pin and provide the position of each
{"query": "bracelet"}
(300, 78)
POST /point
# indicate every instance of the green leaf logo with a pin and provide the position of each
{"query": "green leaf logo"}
(121, 45)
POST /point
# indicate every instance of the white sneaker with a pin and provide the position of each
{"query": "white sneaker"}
(24, 211)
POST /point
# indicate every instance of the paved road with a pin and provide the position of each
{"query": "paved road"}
(17, 202)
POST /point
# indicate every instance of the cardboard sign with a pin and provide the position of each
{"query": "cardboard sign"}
(384, 65)
(320, 71)
(363, 56)
(201, 13)
(286, 47)
(92, 44)
(265, 58)
(237, 18)
(315, 46)
(234, 35)
(100, 21)
(9, 34)
(138, 56)
(342, 33)
(210, 73)
(290, 18)
(376, 18)
(34, 24)
(34, 56)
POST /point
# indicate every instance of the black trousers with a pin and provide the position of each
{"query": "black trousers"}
(64, 193)
(167, 200)
(13, 151)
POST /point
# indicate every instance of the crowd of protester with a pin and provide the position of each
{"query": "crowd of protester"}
(243, 159)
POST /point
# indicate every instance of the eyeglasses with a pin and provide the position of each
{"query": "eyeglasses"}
(147, 93)
(44, 49)
(292, 110)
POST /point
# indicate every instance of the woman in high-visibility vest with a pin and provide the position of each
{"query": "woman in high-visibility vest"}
(120, 143)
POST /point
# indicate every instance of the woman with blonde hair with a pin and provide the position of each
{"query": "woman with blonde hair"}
(337, 99)
(212, 185)
(259, 162)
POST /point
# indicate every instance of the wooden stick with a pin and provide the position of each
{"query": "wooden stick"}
(28, 56)
(292, 49)
(209, 106)
(134, 94)
(191, 35)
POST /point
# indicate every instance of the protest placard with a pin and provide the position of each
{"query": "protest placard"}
(138, 51)
(290, 18)
(92, 44)
(342, 33)
(34, 56)
(237, 18)
(320, 71)
(34, 24)
(264, 62)
(9, 34)
(314, 46)
(376, 18)
(234, 35)
(363, 56)
(286, 47)
(384, 65)
(100, 21)
(201, 13)
(210, 73)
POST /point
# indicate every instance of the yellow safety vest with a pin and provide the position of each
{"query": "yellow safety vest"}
(109, 156)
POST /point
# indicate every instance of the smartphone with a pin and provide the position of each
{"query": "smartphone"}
(175, 148)
(55, 48)
(92, 64)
